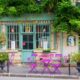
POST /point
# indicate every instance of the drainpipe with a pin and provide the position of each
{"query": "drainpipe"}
(61, 44)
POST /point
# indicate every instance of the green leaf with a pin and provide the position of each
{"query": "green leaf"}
(12, 10)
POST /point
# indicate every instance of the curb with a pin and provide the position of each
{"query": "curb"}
(61, 76)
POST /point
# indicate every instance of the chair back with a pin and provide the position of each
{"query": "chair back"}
(58, 56)
(58, 59)
(33, 56)
(51, 56)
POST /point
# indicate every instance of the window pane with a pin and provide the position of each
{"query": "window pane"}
(28, 41)
(27, 28)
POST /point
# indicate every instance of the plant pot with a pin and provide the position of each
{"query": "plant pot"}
(2, 64)
(78, 67)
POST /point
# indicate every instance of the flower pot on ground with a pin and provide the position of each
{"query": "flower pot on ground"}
(3, 59)
(76, 58)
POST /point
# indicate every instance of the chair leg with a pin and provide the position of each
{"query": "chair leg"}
(57, 70)
(47, 69)
(33, 68)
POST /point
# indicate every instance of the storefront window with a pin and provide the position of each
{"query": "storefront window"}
(13, 36)
(42, 36)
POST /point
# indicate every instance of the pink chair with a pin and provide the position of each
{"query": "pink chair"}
(46, 63)
(32, 65)
(34, 54)
(57, 63)
(11, 57)
(51, 56)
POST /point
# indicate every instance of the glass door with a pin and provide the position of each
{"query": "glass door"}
(27, 42)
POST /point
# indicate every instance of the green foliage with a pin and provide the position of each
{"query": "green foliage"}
(64, 15)
(4, 56)
(46, 51)
(1, 9)
(12, 11)
(75, 57)
(76, 24)
(64, 11)
(20, 7)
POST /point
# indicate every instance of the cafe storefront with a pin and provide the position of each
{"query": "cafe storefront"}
(28, 33)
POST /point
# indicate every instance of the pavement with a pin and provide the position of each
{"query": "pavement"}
(22, 71)
(31, 78)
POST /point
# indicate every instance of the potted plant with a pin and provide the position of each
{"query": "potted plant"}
(3, 58)
(76, 58)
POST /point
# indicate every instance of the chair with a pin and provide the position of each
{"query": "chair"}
(57, 63)
(33, 64)
(11, 58)
(51, 56)
(34, 54)
(46, 63)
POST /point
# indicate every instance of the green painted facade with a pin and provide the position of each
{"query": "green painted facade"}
(28, 38)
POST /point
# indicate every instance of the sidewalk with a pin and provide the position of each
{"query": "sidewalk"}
(31, 78)
(23, 71)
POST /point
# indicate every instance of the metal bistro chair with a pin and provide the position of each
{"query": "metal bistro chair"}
(11, 57)
(46, 63)
(57, 63)
(33, 64)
